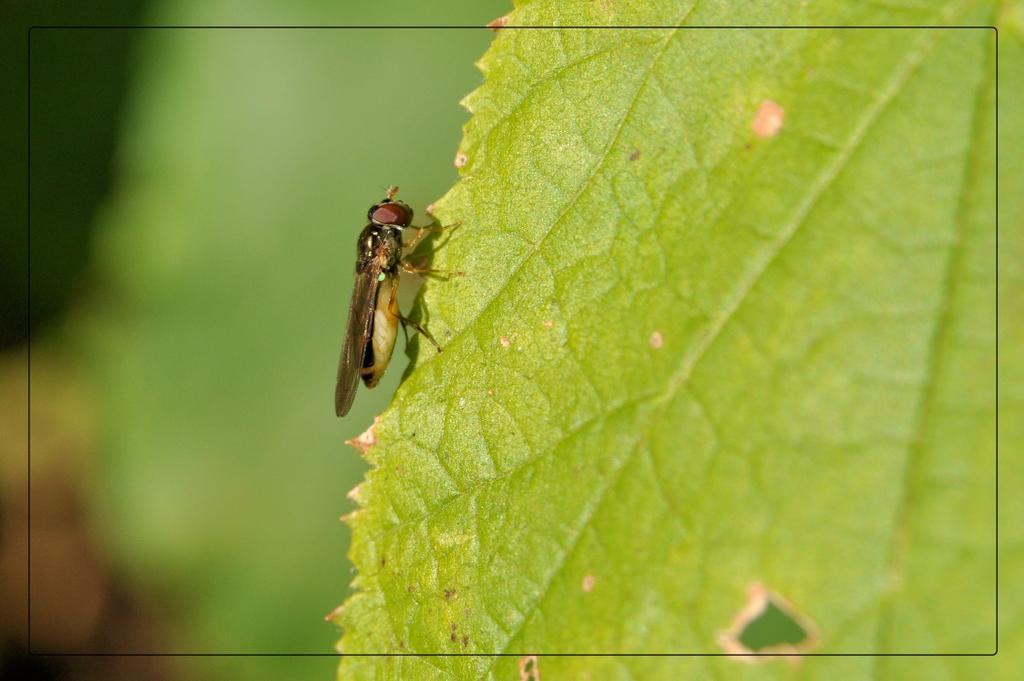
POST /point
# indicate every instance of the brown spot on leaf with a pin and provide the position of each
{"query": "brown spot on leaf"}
(588, 583)
(634, 155)
(465, 640)
(656, 340)
(768, 119)
(448, 594)
(505, 342)
(768, 627)
(460, 159)
(548, 323)
(529, 668)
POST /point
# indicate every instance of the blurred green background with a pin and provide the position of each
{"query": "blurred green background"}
(195, 200)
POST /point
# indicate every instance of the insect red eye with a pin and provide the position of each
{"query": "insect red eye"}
(392, 213)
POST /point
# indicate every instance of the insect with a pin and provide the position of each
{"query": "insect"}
(373, 316)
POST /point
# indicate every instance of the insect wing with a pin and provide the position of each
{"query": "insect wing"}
(360, 322)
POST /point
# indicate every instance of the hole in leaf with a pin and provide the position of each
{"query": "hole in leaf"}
(768, 626)
(529, 669)
(770, 629)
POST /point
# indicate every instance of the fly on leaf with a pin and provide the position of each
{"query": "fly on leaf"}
(373, 316)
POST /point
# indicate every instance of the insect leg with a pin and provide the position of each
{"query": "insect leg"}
(415, 325)
(420, 269)
(422, 232)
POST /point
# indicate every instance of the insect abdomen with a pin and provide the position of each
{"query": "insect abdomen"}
(383, 332)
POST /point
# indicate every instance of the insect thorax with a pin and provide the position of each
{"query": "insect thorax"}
(382, 243)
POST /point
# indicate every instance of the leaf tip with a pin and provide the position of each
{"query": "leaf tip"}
(368, 438)
(499, 23)
(334, 616)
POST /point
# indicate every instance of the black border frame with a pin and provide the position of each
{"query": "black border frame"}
(28, 301)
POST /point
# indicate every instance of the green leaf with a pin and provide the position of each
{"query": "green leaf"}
(695, 351)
